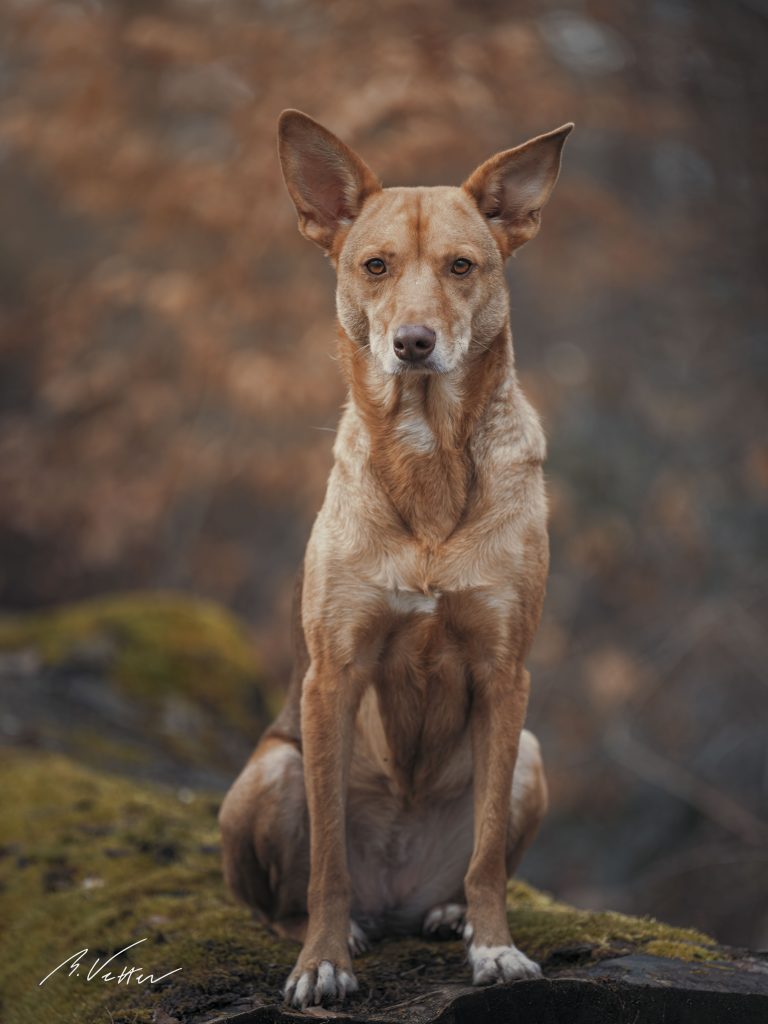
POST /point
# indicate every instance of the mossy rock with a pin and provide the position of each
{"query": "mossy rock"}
(91, 861)
(160, 685)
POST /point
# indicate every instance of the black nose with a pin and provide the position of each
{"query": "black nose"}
(414, 342)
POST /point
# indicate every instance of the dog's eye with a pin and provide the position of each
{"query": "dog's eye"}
(461, 266)
(376, 266)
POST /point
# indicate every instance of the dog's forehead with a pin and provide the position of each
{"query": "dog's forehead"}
(408, 220)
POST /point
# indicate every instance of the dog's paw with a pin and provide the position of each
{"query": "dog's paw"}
(500, 963)
(318, 982)
(445, 921)
(357, 940)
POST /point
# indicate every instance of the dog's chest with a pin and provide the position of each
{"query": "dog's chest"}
(416, 717)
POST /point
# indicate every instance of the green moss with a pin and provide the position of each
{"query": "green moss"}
(89, 745)
(681, 950)
(151, 645)
(542, 925)
(98, 862)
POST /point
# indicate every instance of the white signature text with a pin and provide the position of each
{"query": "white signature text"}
(98, 970)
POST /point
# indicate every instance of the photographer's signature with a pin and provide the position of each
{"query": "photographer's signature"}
(98, 970)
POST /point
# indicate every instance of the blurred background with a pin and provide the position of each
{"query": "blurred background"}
(168, 392)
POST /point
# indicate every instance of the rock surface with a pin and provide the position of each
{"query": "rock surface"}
(159, 686)
(95, 861)
(633, 990)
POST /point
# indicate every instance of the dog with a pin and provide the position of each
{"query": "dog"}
(397, 790)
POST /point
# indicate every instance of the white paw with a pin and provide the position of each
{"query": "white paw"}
(500, 963)
(445, 920)
(327, 983)
(357, 940)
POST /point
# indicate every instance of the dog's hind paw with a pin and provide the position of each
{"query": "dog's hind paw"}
(357, 940)
(500, 963)
(445, 921)
(315, 985)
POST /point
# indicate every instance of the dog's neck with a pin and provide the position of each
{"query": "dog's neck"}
(419, 430)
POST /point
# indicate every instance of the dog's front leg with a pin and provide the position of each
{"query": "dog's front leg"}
(323, 971)
(498, 714)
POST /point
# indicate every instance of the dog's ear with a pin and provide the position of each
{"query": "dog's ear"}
(327, 182)
(511, 188)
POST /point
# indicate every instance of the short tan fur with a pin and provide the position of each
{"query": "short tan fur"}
(397, 789)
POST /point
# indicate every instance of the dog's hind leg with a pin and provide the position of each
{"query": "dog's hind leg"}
(265, 841)
(265, 835)
(529, 800)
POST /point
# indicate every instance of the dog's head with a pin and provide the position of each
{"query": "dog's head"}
(420, 270)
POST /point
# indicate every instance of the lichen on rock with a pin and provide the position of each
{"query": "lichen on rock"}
(115, 694)
(151, 644)
(159, 685)
(94, 861)
(544, 926)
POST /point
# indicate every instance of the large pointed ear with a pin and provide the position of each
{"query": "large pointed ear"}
(511, 188)
(327, 182)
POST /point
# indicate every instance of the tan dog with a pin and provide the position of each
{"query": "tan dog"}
(396, 791)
